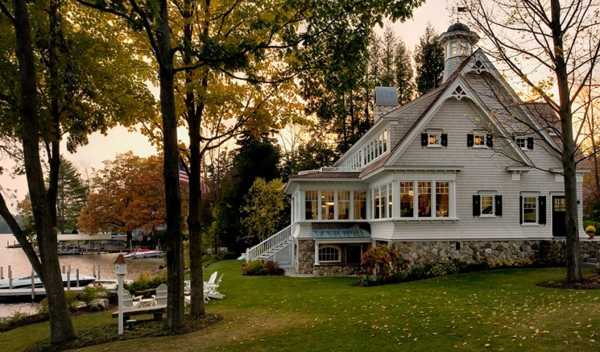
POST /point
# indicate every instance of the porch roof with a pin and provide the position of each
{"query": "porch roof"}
(341, 233)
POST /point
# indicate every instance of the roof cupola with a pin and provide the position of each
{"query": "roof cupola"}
(458, 42)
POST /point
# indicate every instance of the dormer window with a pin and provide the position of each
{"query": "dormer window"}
(524, 143)
(434, 139)
(480, 139)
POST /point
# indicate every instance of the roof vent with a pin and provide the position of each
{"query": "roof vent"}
(386, 96)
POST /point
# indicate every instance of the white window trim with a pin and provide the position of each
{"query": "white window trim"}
(487, 194)
(524, 139)
(433, 200)
(537, 210)
(438, 135)
(318, 250)
(483, 136)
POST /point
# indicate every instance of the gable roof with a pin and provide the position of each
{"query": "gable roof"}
(455, 80)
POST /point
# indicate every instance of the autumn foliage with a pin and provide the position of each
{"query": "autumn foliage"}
(127, 194)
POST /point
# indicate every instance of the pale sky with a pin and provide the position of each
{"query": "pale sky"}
(120, 140)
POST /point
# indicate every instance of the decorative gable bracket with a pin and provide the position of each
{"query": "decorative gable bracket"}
(458, 93)
(478, 66)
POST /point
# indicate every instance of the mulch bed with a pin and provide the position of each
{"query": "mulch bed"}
(589, 283)
(108, 333)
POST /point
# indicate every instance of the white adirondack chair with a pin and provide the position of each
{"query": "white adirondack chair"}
(161, 295)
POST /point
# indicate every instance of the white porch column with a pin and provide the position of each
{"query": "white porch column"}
(316, 252)
(395, 198)
(351, 205)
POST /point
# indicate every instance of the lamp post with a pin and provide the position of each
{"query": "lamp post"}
(120, 271)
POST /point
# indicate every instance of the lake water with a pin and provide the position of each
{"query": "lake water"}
(20, 266)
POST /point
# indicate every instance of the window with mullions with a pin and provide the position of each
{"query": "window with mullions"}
(424, 198)
(406, 199)
(329, 254)
(344, 205)
(311, 205)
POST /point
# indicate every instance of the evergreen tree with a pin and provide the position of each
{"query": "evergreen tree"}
(391, 66)
(258, 156)
(403, 74)
(388, 52)
(72, 195)
(429, 60)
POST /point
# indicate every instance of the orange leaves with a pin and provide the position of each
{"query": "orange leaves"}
(127, 194)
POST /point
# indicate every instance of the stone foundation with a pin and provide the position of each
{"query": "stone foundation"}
(335, 270)
(306, 257)
(485, 253)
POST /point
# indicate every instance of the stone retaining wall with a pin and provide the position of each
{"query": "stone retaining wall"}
(488, 253)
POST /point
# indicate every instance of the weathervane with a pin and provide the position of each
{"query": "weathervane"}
(456, 12)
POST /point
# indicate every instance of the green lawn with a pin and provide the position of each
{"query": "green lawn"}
(500, 310)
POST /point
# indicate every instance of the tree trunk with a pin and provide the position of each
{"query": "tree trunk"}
(573, 259)
(194, 115)
(175, 303)
(61, 327)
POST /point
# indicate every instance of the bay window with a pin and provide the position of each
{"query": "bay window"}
(389, 200)
(360, 205)
(382, 201)
(441, 199)
(424, 189)
(311, 205)
(327, 206)
(406, 199)
(343, 205)
(376, 205)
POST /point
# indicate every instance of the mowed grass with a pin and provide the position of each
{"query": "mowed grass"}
(498, 310)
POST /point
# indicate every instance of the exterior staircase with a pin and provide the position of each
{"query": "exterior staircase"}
(277, 248)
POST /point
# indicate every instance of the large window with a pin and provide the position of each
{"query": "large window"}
(530, 210)
(311, 205)
(329, 254)
(360, 205)
(382, 201)
(389, 200)
(344, 205)
(424, 199)
(406, 199)
(327, 206)
(441, 199)
(376, 205)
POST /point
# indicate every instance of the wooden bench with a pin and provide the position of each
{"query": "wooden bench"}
(156, 310)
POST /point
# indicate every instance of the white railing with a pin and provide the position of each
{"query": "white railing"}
(268, 244)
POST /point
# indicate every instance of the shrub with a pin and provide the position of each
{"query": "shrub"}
(70, 297)
(590, 230)
(91, 293)
(261, 267)
(380, 264)
(146, 281)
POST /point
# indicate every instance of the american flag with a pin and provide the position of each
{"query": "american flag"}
(183, 176)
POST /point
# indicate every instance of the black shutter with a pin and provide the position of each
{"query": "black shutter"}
(520, 209)
(489, 140)
(444, 139)
(530, 143)
(469, 140)
(476, 205)
(498, 200)
(542, 210)
(423, 139)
